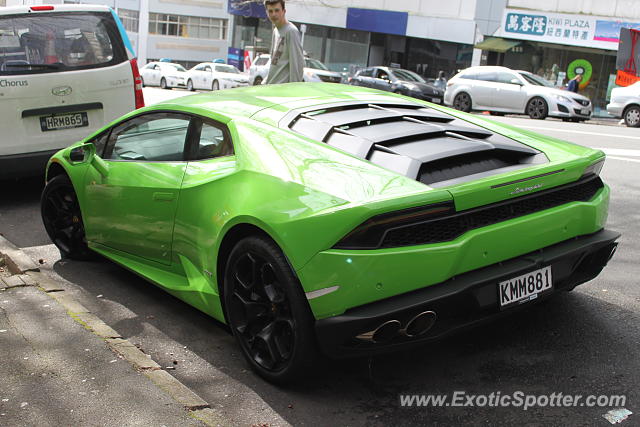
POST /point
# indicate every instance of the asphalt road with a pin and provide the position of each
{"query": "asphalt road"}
(586, 342)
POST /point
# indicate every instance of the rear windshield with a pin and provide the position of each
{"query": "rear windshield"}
(52, 42)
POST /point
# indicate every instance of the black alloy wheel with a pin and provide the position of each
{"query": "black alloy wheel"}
(537, 108)
(190, 85)
(268, 312)
(63, 220)
(632, 116)
(462, 102)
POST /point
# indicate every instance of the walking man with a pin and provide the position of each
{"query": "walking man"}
(287, 58)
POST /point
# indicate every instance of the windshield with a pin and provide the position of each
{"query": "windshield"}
(536, 80)
(177, 67)
(227, 69)
(315, 64)
(408, 76)
(41, 43)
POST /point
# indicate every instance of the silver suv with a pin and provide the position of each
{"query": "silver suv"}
(502, 90)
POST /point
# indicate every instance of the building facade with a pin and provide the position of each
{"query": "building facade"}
(425, 36)
(558, 39)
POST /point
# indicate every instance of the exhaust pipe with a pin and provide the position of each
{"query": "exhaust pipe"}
(383, 333)
(420, 324)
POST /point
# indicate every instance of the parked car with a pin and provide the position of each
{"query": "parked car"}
(167, 75)
(332, 219)
(65, 71)
(399, 81)
(214, 76)
(314, 71)
(502, 90)
(625, 103)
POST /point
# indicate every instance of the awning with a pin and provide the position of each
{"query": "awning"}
(496, 44)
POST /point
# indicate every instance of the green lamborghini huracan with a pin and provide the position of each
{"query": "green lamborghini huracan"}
(324, 218)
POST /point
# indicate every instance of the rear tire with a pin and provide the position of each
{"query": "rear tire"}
(190, 85)
(632, 116)
(267, 311)
(462, 102)
(537, 108)
(62, 219)
(215, 85)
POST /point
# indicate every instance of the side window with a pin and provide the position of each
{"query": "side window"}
(507, 78)
(381, 74)
(207, 68)
(100, 142)
(213, 142)
(156, 137)
(367, 72)
(487, 76)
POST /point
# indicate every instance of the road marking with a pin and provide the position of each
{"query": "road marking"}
(623, 158)
(582, 132)
(620, 152)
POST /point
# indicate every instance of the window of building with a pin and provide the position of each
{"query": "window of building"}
(187, 26)
(129, 19)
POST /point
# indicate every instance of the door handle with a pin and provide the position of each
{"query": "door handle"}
(163, 197)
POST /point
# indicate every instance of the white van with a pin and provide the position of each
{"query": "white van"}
(65, 71)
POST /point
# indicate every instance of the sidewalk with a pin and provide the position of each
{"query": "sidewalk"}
(61, 365)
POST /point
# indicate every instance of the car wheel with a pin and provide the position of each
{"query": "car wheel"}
(537, 108)
(63, 220)
(632, 116)
(257, 81)
(267, 311)
(215, 85)
(142, 81)
(190, 85)
(462, 102)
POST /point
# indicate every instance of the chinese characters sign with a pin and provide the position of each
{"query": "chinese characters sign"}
(576, 30)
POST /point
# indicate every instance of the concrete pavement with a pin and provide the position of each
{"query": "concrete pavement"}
(61, 365)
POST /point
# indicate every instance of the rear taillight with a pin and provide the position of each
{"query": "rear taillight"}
(137, 84)
(40, 8)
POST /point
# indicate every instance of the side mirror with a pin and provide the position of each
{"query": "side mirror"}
(86, 154)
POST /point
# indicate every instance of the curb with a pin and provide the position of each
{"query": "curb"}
(27, 273)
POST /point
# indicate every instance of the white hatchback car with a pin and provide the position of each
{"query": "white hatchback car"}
(213, 76)
(625, 103)
(167, 75)
(314, 71)
(502, 90)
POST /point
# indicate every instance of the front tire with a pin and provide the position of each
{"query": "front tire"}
(537, 108)
(632, 116)
(190, 85)
(267, 311)
(257, 81)
(462, 102)
(62, 218)
(163, 84)
(215, 85)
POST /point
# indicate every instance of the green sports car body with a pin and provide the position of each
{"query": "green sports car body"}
(398, 221)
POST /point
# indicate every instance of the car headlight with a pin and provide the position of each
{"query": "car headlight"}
(561, 98)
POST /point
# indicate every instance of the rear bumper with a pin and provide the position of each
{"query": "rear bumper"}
(24, 164)
(464, 300)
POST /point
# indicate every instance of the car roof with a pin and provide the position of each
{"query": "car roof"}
(275, 101)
